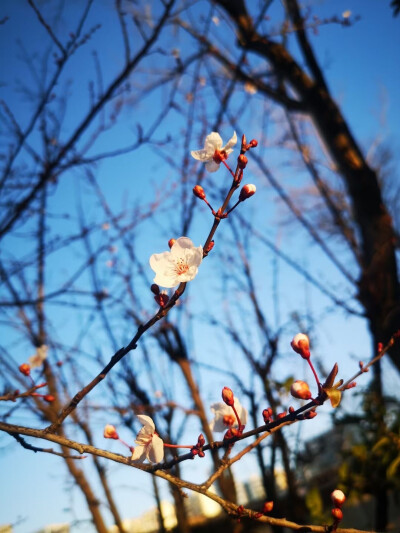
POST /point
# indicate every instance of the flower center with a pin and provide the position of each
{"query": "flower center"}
(228, 420)
(219, 156)
(181, 267)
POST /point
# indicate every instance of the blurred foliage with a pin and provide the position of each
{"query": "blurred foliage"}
(373, 462)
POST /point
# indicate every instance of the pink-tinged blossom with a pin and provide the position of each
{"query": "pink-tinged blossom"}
(224, 417)
(149, 445)
(301, 390)
(110, 432)
(178, 265)
(213, 152)
(301, 345)
(37, 359)
(338, 497)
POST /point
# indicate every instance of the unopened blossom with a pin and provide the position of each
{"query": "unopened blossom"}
(25, 369)
(247, 191)
(227, 396)
(110, 432)
(178, 265)
(338, 498)
(213, 152)
(301, 345)
(224, 417)
(301, 390)
(37, 359)
(149, 445)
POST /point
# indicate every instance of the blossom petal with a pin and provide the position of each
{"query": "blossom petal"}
(181, 244)
(196, 256)
(212, 166)
(139, 454)
(231, 143)
(147, 423)
(200, 155)
(158, 259)
(155, 452)
(213, 142)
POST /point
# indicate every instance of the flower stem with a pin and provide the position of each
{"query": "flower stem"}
(125, 444)
(229, 168)
(315, 374)
(237, 416)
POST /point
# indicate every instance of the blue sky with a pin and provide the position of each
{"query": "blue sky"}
(361, 66)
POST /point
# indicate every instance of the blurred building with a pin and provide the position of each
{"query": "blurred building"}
(55, 528)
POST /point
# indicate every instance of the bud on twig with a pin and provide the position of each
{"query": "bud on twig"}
(25, 369)
(267, 507)
(155, 289)
(209, 247)
(247, 190)
(162, 299)
(49, 398)
(267, 414)
(301, 345)
(242, 161)
(337, 514)
(171, 242)
(301, 390)
(227, 396)
(199, 192)
(110, 432)
(338, 498)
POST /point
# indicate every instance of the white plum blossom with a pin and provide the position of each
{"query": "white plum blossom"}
(224, 417)
(149, 445)
(213, 153)
(37, 359)
(178, 265)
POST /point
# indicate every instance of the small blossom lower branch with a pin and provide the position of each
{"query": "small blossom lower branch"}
(231, 508)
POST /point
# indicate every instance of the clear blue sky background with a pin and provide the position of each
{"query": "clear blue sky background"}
(361, 65)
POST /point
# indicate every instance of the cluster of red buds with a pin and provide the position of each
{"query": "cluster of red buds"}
(25, 369)
(338, 498)
(198, 448)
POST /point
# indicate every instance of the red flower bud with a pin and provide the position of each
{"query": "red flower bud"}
(267, 507)
(199, 192)
(209, 247)
(301, 345)
(300, 389)
(337, 514)
(291, 409)
(155, 289)
(310, 414)
(25, 369)
(253, 143)
(201, 440)
(171, 242)
(162, 299)
(267, 415)
(242, 161)
(247, 190)
(281, 415)
(49, 398)
(227, 396)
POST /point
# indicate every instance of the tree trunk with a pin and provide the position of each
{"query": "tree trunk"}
(379, 289)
